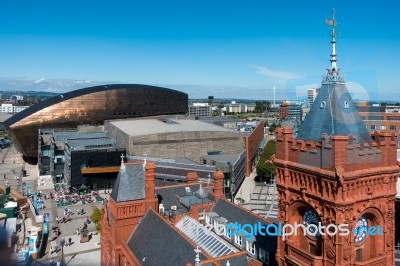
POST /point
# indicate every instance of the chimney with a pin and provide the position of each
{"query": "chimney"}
(149, 181)
(192, 177)
(218, 184)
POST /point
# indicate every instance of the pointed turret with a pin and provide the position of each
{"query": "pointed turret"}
(333, 111)
(129, 184)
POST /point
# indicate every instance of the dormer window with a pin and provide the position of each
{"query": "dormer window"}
(323, 104)
(346, 105)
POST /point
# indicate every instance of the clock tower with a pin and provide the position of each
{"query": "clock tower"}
(334, 174)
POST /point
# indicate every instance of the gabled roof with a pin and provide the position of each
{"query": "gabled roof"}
(234, 213)
(334, 113)
(160, 243)
(129, 184)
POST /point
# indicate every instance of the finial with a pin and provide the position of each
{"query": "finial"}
(122, 163)
(145, 159)
(227, 263)
(197, 260)
(332, 22)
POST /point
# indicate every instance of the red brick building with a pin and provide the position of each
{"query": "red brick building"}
(147, 225)
(333, 173)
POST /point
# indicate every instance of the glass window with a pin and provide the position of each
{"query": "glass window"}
(359, 255)
(250, 248)
(313, 249)
(263, 256)
(202, 213)
(238, 240)
(373, 127)
(383, 127)
(393, 128)
(226, 233)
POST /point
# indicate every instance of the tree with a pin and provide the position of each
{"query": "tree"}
(96, 218)
(262, 106)
(266, 170)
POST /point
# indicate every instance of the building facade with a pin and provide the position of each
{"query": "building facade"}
(146, 225)
(172, 138)
(380, 117)
(92, 106)
(333, 174)
(200, 110)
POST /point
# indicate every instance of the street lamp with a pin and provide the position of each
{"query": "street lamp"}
(62, 251)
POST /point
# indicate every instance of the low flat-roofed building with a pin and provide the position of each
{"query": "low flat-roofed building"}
(173, 138)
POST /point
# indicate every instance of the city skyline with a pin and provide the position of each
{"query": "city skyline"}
(222, 49)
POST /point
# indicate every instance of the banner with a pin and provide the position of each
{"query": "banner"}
(45, 228)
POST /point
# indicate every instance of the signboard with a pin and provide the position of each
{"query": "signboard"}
(31, 245)
(39, 205)
(46, 217)
(29, 190)
(45, 228)
(20, 257)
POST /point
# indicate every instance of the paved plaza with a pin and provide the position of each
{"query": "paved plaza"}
(11, 172)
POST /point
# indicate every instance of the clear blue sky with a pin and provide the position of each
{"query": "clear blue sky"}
(226, 48)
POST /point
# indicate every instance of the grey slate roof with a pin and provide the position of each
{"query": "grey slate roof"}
(160, 243)
(169, 194)
(240, 260)
(234, 213)
(129, 184)
(334, 119)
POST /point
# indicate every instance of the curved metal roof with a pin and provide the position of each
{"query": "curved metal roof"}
(76, 93)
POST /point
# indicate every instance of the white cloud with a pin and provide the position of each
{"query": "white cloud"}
(39, 80)
(275, 74)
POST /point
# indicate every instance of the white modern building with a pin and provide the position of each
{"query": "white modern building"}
(11, 109)
(200, 110)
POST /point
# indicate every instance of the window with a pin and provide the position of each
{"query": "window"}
(323, 104)
(392, 128)
(383, 127)
(238, 240)
(208, 219)
(313, 249)
(250, 248)
(373, 127)
(346, 105)
(215, 224)
(202, 213)
(226, 233)
(359, 255)
(263, 256)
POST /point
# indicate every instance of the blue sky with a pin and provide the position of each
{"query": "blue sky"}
(223, 48)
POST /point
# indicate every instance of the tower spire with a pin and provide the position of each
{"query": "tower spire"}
(333, 70)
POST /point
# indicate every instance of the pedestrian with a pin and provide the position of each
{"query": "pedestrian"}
(70, 241)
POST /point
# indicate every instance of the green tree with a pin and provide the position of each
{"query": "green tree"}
(96, 218)
(261, 105)
(266, 170)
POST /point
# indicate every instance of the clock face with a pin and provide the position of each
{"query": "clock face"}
(310, 217)
(361, 230)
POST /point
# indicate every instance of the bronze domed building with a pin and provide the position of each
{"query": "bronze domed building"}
(92, 106)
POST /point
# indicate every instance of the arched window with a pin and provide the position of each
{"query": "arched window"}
(346, 105)
(323, 104)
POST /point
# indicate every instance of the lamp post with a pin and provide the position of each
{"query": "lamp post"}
(62, 251)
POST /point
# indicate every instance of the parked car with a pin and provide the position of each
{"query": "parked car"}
(4, 143)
